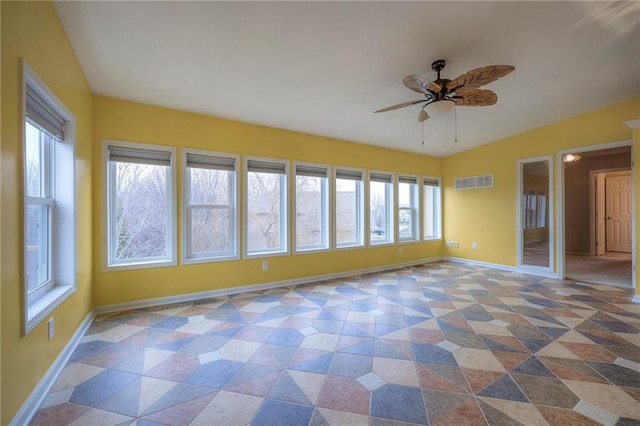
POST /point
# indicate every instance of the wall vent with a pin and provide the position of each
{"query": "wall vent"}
(473, 182)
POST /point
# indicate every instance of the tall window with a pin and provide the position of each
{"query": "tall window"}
(49, 201)
(210, 214)
(432, 223)
(349, 220)
(141, 205)
(266, 207)
(380, 208)
(408, 208)
(312, 207)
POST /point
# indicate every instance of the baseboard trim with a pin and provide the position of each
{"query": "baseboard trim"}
(37, 397)
(116, 307)
(636, 298)
(504, 267)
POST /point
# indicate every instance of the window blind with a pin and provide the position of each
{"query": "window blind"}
(258, 166)
(349, 174)
(380, 177)
(40, 112)
(408, 179)
(126, 154)
(430, 182)
(211, 162)
(302, 170)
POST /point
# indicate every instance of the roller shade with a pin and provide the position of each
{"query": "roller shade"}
(302, 170)
(258, 166)
(408, 179)
(125, 154)
(380, 177)
(430, 182)
(41, 114)
(210, 162)
(349, 174)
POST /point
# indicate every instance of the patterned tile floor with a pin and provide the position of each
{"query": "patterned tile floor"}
(439, 344)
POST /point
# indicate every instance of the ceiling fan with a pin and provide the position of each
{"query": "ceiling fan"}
(443, 94)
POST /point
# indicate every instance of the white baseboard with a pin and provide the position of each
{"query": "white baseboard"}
(138, 304)
(636, 298)
(32, 404)
(529, 271)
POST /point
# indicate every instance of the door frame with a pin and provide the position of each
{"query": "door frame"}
(561, 201)
(593, 199)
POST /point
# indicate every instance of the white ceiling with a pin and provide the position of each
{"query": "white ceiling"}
(324, 67)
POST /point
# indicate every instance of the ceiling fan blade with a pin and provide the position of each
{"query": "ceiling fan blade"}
(421, 85)
(479, 76)
(474, 97)
(402, 105)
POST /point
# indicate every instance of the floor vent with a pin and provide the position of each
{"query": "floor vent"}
(472, 182)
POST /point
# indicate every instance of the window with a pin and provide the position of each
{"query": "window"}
(210, 213)
(432, 223)
(266, 207)
(312, 207)
(380, 208)
(349, 202)
(408, 208)
(49, 201)
(141, 205)
(535, 209)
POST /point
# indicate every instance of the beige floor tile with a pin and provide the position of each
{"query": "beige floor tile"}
(97, 417)
(478, 359)
(607, 397)
(334, 417)
(523, 412)
(228, 408)
(120, 332)
(396, 371)
(74, 374)
(320, 341)
(239, 350)
(310, 383)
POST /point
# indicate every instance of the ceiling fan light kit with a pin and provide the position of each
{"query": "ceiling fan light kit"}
(442, 95)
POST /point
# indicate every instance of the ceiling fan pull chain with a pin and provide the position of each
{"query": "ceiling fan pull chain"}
(456, 123)
(423, 133)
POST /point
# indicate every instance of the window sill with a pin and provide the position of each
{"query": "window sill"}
(200, 260)
(45, 304)
(139, 265)
(312, 250)
(350, 247)
(256, 255)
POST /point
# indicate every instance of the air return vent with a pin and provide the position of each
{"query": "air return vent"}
(473, 182)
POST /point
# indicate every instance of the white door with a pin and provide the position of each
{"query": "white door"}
(618, 209)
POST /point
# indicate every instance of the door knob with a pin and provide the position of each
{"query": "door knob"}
(607, 218)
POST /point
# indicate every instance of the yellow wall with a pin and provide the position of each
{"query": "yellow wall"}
(120, 120)
(31, 30)
(636, 183)
(488, 215)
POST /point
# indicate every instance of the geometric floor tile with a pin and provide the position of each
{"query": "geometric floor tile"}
(441, 343)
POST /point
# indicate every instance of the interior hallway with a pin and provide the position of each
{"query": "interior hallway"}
(613, 268)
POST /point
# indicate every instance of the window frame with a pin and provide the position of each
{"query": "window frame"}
(436, 209)
(109, 194)
(360, 195)
(415, 207)
(61, 253)
(390, 204)
(234, 195)
(285, 249)
(325, 194)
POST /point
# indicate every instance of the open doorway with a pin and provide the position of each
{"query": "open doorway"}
(598, 223)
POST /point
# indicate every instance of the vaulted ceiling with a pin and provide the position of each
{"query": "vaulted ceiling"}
(324, 67)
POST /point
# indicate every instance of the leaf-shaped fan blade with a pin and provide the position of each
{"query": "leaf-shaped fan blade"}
(402, 105)
(421, 85)
(479, 76)
(475, 97)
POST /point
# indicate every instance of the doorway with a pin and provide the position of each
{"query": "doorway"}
(598, 223)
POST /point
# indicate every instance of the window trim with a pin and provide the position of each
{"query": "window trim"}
(284, 209)
(417, 207)
(172, 210)
(63, 266)
(390, 210)
(437, 209)
(234, 193)
(361, 195)
(326, 209)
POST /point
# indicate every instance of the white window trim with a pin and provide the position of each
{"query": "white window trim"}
(360, 206)
(326, 211)
(438, 220)
(172, 212)
(285, 209)
(63, 276)
(391, 209)
(416, 221)
(235, 194)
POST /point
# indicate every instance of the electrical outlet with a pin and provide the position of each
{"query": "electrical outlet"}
(399, 250)
(265, 265)
(447, 243)
(456, 244)
(474, 245)
(52, 330)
